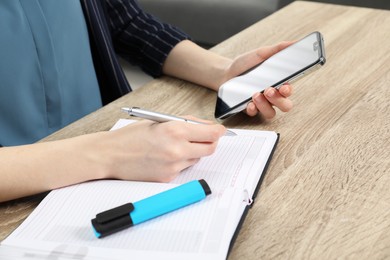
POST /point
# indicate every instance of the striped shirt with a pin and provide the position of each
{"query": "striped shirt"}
(121, 27)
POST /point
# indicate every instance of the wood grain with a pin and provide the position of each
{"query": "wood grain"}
(327, 191)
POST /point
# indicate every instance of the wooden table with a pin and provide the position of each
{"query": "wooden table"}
(327, 191)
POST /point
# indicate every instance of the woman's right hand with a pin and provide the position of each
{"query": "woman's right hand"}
(149, 151)
(143, 151)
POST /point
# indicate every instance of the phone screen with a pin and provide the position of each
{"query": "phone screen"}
(280, 68)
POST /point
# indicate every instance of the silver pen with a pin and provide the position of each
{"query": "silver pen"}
(161, 118)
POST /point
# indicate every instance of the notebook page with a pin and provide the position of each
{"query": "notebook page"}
(61, 223)
(64, 219)
(237, 162)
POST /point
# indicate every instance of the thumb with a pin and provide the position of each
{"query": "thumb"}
(266, 52)
(250, 59)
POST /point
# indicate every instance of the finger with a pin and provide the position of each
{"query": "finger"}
(285, 90)
(174, 170)
(205, 133)
(250, 59)
(189, 153)
(275, 98)
(190, 162)
(180, 166)
(266, 52)
(198, 119)
(199, 150)
(264, 106)
(202, 133)
(251, 109)
(254, 57)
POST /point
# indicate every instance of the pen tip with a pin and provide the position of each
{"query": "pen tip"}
(126, 109)
(230, 133)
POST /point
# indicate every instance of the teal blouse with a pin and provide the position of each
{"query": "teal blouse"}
(47, 78)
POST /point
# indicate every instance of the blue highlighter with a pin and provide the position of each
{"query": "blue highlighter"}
(130, 214)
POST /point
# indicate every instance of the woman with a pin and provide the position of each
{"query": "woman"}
(58, 63)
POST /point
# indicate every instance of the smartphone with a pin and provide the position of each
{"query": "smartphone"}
(291, 63)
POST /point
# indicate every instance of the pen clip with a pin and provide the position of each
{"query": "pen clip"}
(115, 213)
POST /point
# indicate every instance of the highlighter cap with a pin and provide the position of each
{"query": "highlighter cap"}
(205, 187)
(112, 220)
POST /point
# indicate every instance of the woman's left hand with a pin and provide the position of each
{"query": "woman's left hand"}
(265, 102)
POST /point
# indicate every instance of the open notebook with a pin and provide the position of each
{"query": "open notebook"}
(60, 226)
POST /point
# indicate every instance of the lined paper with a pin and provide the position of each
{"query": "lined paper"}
(61, 223)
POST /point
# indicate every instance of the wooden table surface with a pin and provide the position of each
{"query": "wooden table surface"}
(327, 191)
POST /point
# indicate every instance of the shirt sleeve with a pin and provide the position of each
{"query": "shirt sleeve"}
(139, 37)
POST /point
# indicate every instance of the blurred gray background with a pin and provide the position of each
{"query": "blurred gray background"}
(210, 22)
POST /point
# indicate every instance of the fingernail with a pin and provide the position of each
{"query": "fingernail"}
(257, 97)
(270, 92)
